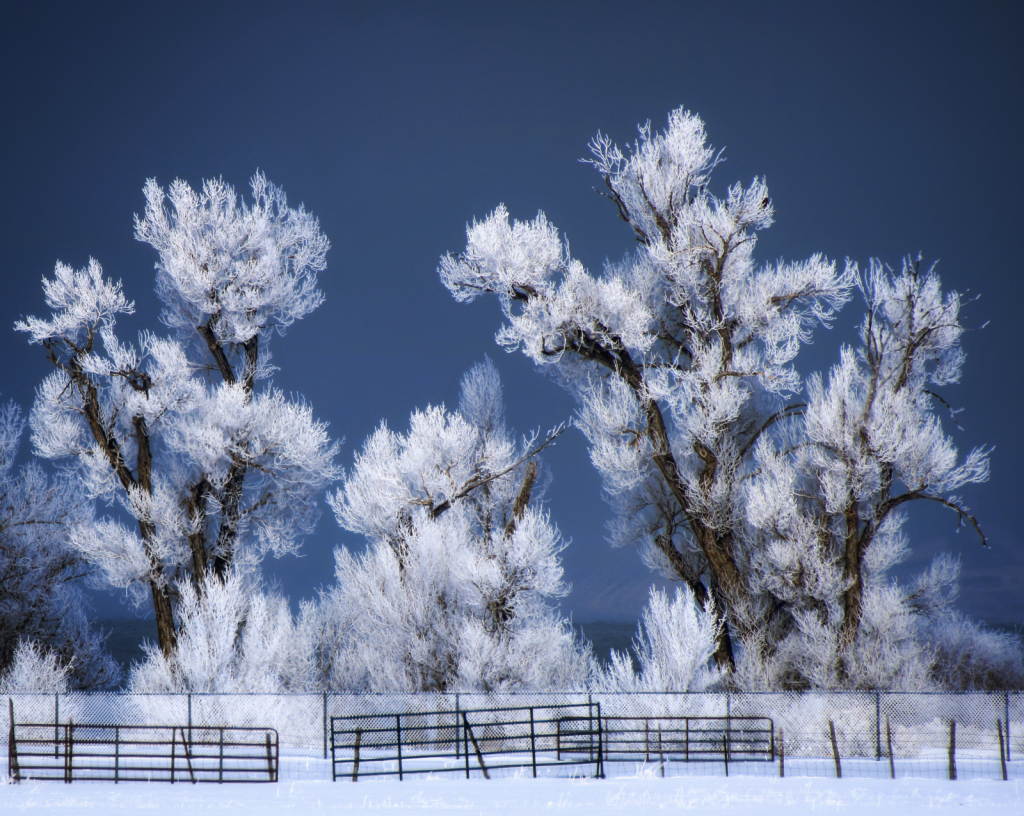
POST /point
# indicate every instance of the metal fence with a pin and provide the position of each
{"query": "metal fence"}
(878, 734)
(141, 753)
(478, 741)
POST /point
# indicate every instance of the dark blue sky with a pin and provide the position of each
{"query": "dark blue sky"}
(882, 129)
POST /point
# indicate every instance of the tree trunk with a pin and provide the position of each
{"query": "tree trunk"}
(166, 636)
(853, 597)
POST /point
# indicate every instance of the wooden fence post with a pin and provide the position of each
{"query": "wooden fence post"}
(355, 762)
(952, 749)
(661, 754)
(835, 749)
(782, 753)
(878, 726)
(888, 745)
(1002, 752)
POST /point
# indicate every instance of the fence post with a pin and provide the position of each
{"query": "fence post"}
(465, 741)
(661, 754)
(782, 753)
(69, 738)
(600, 739)
(835, 749)
(220, 767)
(532, 741)
(1002, 753)
(56, 720)
(952, 749)
(355, 763)
(725, 752)
(12, 748)
(190, 718)
(878, 725)
(174, 750)
(888, 745)
(590, 725)
(325, 725)
(456, 725)
(398, 738)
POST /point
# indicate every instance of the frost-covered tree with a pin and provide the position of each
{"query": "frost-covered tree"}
(675, 643)
(680, 356)
(44, 631)
(453, 590)
(968, 657)
(235, 638)
(215, 469)
(34, 670)
(786, 512)
(829, 496)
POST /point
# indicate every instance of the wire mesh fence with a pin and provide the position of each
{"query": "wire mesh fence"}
(852, 734)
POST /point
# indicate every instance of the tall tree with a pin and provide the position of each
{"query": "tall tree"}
(680, 356)
(214, 470)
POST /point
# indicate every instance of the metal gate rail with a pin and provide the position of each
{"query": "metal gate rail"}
(72, 751)
(466, 740)
(690, 739)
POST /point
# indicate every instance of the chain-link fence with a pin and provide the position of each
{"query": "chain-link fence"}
(855, 734)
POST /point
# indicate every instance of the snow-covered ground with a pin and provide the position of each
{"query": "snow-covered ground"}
(520, 796)
(628, 789)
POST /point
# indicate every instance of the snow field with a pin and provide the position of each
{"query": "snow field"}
(639, 793)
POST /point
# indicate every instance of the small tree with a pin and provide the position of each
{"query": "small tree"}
(234, 638)
(44, 631)
(453, 589)
(674, 645)
(215, 472)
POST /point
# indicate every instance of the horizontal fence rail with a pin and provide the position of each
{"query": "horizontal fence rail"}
(477, 740)
(689, 739)
(71, 752)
